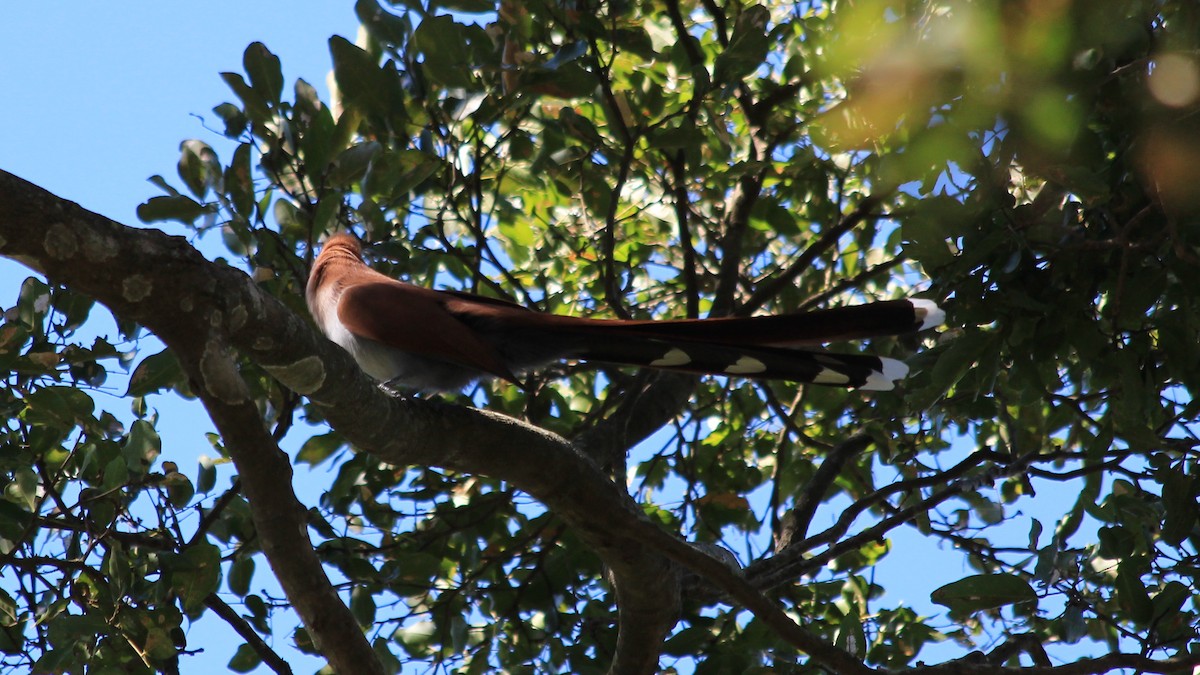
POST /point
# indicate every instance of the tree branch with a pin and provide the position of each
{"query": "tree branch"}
(203, 311)
(810, 254)
(206, 311)
(640, 413)
(260, 647)
(814, 492)
(193, 305)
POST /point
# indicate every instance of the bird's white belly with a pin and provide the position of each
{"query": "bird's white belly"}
(399, 368)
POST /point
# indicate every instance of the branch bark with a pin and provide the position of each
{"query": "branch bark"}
(193, 305)
(206, 312)
(805, 260)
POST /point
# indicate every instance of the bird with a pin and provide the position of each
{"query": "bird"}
(412, 337)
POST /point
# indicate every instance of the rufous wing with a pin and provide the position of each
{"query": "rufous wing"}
(413, 319)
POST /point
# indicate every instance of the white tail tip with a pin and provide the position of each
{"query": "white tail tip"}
(928, 312)
(886, 381)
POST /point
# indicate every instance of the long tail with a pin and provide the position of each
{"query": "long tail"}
(758, 347)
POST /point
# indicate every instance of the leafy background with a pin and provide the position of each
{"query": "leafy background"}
(115, 97)
(1071, 287)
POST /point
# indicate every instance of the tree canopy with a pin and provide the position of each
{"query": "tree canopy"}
(1029, 165)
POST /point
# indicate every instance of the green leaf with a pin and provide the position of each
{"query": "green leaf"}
(179, 207)
(1035, 533)
(780, 219)
(351, 164)
(198, 166)
(62, 407)
(318, 448)
(156, 372)
(59, 660)
(179, 489)
(983, 591)
(747, 48)
(33, 302)
(416, 637)
(303, 641)
(142, 445)
(566, 54)
(443, 41)
(12, 638)
(402, 172)
(8, 609)
(362, 605)
(68, 628)
(206, 474)
(292, 221)
(74, 309)
(381, 24)
(1116, 542)
(688, 641)
(1131, 592)
(683, 135)
(1074, 626)
(952, 365)
(567, 81)
(239, 183)
(266, 74)
(851, 636)
(195, 574)
(234, 119)
(387, 659)
(241, 573)
(364, 85)
(928, 233)
(1170, 600)
(518, 235)
(1179, 504)
(115, 475)
(416, 569)
(254, 105)
(244, 660)
(23, 489)
(990, 512)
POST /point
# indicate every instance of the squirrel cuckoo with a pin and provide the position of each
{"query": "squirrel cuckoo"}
(419, 338)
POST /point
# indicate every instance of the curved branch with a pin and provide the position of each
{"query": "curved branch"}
(814, 492)
(192, 305)
(791, 562)
(826, 241)
(247, 632)
(203, 311)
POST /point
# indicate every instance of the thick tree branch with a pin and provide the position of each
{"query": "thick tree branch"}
(204, 310)
(192, 305)
(280, 519)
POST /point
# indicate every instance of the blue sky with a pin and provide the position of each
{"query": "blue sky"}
(98, 96)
